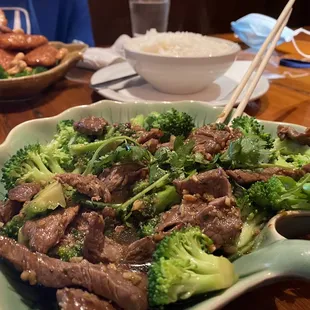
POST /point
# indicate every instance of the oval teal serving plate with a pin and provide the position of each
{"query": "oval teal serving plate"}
(277, 253)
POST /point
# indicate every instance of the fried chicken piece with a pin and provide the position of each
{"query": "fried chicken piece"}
(6, 58)
(3, 20)
(45, 55)
(5, 29)
(21, 42)
(4, 23)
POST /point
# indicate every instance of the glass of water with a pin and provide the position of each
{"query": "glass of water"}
(148, 14)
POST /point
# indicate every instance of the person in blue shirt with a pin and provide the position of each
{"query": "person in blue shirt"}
(58, 20)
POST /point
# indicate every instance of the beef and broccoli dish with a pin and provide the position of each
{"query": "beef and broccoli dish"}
(147, 213)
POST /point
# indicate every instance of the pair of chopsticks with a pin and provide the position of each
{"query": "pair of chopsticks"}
(262, 58)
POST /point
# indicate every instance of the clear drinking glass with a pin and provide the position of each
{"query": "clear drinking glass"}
(147, 14)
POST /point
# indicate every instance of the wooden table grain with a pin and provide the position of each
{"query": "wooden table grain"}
(288, 100)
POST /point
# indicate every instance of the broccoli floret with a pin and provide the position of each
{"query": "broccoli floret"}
(12, 228)
(171, 122)
(140, 186)
(63, 139)
(292, 161)
(3, 74)
(66, 135)
(27, 165)
(74, 249)
(249, 126)
(253, 218)
(34, 71)
(181, 268)
(291, 154)
(121, 129)
(289, 147)
(38, 162)
(281, 193)
(147, 228)
(67, 252)
(157, 202)
(138, 121)
(49, 198)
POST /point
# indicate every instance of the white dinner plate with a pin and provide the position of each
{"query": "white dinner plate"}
(218, 93)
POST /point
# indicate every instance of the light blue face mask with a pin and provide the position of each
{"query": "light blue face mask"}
(253, 29)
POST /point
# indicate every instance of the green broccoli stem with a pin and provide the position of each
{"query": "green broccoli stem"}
(34, 175)
(78, 149)
(99, 205)
(250, 229)
(110, 132)
(165, 198)
(138, 120)
(103, 147)
(244, 250)
(159, 183)
(39, 163)
(55, 167)
(195, 284)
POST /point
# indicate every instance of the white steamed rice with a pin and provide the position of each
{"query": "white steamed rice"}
(179, 44)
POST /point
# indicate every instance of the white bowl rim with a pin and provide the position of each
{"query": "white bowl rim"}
(235, 48)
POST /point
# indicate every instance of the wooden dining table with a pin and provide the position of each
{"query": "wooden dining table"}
(287, 100)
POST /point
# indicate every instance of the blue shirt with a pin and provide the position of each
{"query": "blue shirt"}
(58, 20)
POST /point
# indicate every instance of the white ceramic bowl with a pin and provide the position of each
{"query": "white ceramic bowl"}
(180, 75)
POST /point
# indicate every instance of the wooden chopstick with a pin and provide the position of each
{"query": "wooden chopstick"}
(282, 20)
(260, 70)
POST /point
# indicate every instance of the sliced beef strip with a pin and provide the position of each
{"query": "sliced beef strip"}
(76, 231)
(76, 299)
(286, 132)
(140, 251)
(89, 185)
(247, 177)
(46, 232)
(91, 126)
(170, 144)
(111, 179)
(306, 168)
(5, 29)
(144, 136)
(212, 183)
(108, 212)
(119, 176)
(151, 145)
(24, 192)
(103, 280)
(209, 140)
(219, 219)
(180, 215)
(97, 247)
(8, 209)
